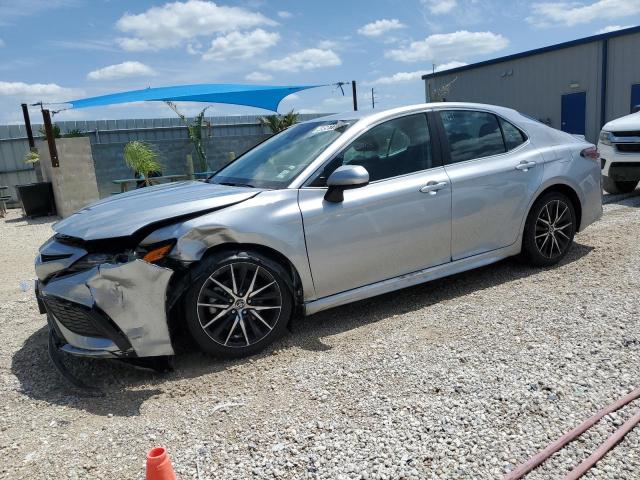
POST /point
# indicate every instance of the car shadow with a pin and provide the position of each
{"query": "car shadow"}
(126, 388)
(32, 220)
(627, 199)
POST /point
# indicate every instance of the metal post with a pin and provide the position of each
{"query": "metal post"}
(53, 152)
(603, 82)
(355, 95)
(27, 126)
(373, 100)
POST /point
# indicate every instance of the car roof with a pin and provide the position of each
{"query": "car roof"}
(374, 114)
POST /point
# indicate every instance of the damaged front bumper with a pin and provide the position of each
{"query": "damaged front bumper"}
(112, 310)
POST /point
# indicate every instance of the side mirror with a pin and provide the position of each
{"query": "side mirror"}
(343, 178)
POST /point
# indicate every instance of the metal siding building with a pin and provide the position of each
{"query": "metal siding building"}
(556, 84)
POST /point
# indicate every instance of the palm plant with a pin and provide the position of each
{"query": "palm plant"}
(194, 130)
(278, 123)
(142, 158)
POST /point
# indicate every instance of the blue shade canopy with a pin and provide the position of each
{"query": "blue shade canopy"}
(260, 96)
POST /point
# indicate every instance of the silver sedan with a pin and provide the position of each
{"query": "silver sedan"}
(328, 212)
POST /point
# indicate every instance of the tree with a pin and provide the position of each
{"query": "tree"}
(74, 133)
(194, 130)
(440, 94)
(278, 123)
(142, 158)
(55, 128)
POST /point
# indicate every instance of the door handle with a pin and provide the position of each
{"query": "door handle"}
(524, 166)
(433, 187)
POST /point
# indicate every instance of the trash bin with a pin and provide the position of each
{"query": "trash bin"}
(37, 199)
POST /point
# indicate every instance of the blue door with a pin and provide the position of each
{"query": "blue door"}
(574, 108)
(635, 98)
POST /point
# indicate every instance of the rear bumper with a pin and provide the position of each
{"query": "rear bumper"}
(109, 311)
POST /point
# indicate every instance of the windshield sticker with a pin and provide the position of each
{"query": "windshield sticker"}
(285, 173)
(328, 128)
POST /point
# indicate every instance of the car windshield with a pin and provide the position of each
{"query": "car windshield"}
(277, 161)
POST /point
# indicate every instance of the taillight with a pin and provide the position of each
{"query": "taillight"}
(591, 153)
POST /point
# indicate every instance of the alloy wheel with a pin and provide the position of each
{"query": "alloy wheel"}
(239, 304)
(553, 229)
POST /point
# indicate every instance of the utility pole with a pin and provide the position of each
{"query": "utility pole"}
(355, 95)
(27, 126)
(373, 100)
(48, 128)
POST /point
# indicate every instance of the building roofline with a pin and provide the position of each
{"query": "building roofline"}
(536, 51)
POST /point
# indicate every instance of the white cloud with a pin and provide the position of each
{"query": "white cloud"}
(35, 91)
(173, 24)
(438, 7)
(402, 77)
(284, 14)
(329, 44)
(613, 28)
(460, 44)
(399, 78)
(309, 59)
(377, 28)
(449, 65)
(135, 44)
(571, 13)
(258, 77)
(241, 45)
(85, 45)
(121, 70)
(194, 48)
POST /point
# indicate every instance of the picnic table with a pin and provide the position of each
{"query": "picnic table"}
(124, 182)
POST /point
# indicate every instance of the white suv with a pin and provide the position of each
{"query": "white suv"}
(619, 146)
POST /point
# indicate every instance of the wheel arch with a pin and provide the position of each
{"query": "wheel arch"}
(183, 281)
(567, 190)
(271, 253)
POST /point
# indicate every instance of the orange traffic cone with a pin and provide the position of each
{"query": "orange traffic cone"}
(159, 465)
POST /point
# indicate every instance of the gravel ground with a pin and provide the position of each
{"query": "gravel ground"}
(463, 377)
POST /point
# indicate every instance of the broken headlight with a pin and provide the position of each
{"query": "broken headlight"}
(94, 259)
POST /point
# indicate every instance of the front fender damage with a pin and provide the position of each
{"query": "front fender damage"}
(134, 296)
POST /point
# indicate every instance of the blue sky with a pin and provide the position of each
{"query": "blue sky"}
(56, 50)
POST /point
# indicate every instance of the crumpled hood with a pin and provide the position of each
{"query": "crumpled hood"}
(124, 214)
(624, 124)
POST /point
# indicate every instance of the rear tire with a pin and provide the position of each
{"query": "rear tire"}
(614, 187)
(549, 230)
(238, 304)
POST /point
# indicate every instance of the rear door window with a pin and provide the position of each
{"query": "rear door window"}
(472, 134)
(513, 136)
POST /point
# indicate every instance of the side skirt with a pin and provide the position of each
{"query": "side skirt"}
(411, 279)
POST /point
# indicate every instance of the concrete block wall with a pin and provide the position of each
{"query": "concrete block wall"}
(172, 154)
(74, 181)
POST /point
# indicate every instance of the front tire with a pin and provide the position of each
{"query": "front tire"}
(614, 187)
(239, 303)
(549, 230)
